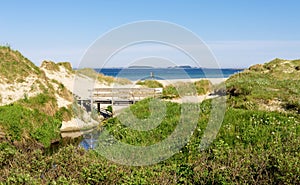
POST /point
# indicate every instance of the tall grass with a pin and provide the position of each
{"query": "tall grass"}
(150, 84)
(178, 89)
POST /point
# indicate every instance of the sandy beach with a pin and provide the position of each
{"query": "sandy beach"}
(212, 80)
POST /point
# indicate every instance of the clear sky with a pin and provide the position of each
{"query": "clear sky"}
(239, 32)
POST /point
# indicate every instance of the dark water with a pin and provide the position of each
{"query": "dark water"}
(167, 73)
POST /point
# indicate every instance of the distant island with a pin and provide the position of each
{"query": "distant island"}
(181, 67)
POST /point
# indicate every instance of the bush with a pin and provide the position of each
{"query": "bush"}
(203, 86)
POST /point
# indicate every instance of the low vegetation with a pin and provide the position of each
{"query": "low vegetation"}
(274, 86)
(52, 66)
(23, 125)
(15, 67)
(255, 147)
(150, 84)
(180, 89)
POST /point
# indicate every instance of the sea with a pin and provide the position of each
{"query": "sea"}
(134, 74)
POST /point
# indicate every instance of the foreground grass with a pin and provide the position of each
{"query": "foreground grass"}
(33, 120)
(254, 147)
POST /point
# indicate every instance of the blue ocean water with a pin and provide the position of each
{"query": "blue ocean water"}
(167, 73)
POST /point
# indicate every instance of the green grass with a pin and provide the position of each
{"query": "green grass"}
(66, 65)
(49, 65)
(14, 66)
(180, 89)
(252, 147)
(142, 112)
(277, 80)
(52, 66)
(19, 122)
(150, 84)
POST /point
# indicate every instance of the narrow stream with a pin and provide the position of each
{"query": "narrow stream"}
(89, 140)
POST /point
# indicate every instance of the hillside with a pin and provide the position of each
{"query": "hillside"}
(33, 106)
(36, 103)
(19, 77)
(273, 86)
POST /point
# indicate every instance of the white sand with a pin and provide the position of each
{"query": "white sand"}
(18, 90)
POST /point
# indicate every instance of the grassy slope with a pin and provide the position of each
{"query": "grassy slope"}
(14, 66)
(276, 81)
(35, 119)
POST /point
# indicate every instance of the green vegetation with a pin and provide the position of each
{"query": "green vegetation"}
(49, 65)
(15, 67)
(178, 89)
(142, 111)
(203, 86)
(251, 147)
(35, 120)
(66, 65)
(272, 86)
(150, 84)
(21, 123)
(52, 66)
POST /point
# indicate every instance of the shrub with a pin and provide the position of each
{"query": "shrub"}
(203, 86)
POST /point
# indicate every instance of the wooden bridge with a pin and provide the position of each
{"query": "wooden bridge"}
(118, 96)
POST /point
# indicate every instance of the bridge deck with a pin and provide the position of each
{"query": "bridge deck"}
(118, 96)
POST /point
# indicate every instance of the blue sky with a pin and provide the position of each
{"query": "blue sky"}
(239, 32)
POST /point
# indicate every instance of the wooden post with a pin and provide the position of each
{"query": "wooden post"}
(92, 104)
(98, 107)
(152, 75)
(91, 96)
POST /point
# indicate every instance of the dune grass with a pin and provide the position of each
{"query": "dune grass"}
(260, 85)
(15, 67)
(150, 84)
(178, 89)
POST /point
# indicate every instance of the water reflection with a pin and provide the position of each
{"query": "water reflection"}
(89, 140)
